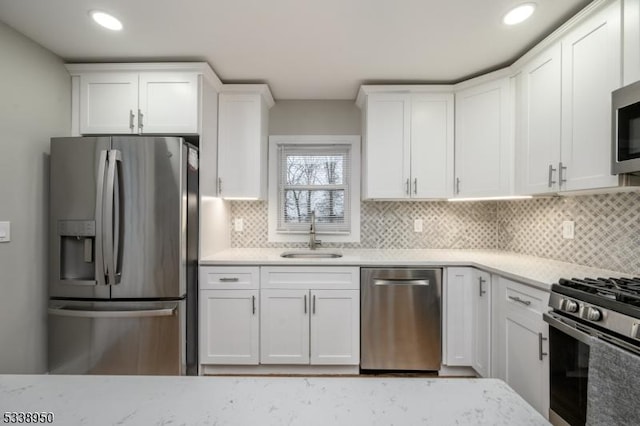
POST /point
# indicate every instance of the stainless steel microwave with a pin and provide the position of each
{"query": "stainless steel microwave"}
(625, 123)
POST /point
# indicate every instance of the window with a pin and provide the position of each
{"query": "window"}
(314, 174)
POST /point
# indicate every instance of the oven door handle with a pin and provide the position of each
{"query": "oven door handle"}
(573, 332)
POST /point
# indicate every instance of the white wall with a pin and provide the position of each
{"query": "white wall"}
(314, 118)
(35, 104)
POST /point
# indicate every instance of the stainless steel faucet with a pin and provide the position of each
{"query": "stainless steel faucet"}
(313, 243)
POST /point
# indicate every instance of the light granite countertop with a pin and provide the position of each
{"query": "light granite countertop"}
(535, 271)
(352, 401)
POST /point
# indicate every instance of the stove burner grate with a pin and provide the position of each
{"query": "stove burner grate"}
(624, 290)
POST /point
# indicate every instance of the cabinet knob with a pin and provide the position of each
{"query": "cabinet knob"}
(140, 120)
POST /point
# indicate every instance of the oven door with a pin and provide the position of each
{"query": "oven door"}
(568, 371)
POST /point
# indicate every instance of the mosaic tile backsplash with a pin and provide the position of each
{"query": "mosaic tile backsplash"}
(607, 227)
(389, 225)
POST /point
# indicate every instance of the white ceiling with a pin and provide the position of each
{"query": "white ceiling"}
(304, 49)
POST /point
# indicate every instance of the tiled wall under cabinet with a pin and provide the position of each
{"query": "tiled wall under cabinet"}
(607, 227)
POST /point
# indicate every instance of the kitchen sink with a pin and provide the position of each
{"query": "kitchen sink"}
(310, 254)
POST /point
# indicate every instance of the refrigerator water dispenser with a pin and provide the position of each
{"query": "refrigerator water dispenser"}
(77, 249)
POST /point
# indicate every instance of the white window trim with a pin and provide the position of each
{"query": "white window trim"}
(354, 188)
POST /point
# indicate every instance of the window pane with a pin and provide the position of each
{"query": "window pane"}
(314, 169)
(328, 205)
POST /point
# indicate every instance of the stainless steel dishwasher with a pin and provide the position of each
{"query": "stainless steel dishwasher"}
(400, 319)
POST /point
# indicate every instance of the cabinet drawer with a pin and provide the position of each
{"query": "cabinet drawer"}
(523, 297)
(229, 277)
(311, 277)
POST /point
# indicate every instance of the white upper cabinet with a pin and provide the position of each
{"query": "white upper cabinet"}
(168, 103)
(564, 119)
(120, 99)
(432, 141)
(484, 140)
(108, 103)
(631, 41)
(387, 146)
(591, 69)
(540, 130)
(243, 127)
(408, 144)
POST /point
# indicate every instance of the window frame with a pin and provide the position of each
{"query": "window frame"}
(274, 199)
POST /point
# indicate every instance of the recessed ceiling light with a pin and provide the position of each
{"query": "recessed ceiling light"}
(519, 13)
(104, 19)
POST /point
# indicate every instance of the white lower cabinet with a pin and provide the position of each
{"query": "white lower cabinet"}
(481, 315)
(229, 327)
(459, 322)
(310, 316)
(284, 338)
(468, 319)
(229, 313)
(521, 345)
(279, 316)
(335, 327)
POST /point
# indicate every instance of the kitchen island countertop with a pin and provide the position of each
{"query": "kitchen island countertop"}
(535, 271)
(353, 401)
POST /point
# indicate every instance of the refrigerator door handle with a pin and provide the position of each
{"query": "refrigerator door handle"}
(100, 269)
(112, 218)
(65, 312)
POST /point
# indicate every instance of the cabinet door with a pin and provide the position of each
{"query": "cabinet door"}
(432, 145)
(168, 103)
(459, 299)
(484, 142)
(335, 327)
(241, 148)
(108, 103)
(387, 146)
(284, 327)
(482, 323)
(520, 345)
(526, 360)
(229, 327)
(591, 70)
(541, 131)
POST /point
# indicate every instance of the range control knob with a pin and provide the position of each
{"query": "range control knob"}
(568, 305)
(590, 313)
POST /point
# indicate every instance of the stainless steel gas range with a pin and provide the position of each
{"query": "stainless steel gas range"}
(594, 351)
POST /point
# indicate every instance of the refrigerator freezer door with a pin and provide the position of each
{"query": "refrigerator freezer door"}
(154, 204)
(75, 186)
(116, 337)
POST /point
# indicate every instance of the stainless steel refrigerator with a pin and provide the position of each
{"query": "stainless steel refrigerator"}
(123, 256)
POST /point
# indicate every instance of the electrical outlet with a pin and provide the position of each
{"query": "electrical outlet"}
(5, 232)
(417, 225)
(568, 229)
(239, 225)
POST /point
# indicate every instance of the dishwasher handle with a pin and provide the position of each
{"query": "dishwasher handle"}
(421, 282)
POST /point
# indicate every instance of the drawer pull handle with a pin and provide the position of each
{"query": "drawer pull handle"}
(229, 280)
(253, 305)
(517, 299)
